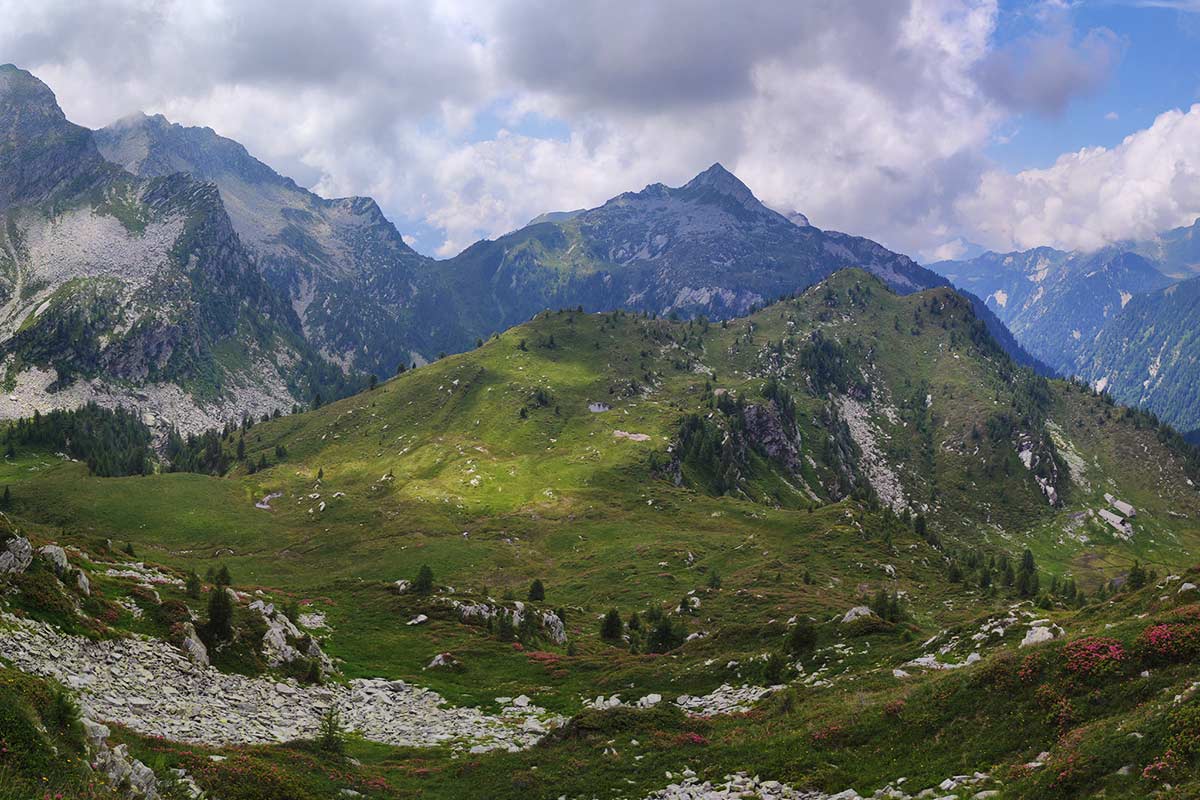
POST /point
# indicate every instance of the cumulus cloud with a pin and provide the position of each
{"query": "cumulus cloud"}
(1148, 183)
(869, 116)
(1045, 70)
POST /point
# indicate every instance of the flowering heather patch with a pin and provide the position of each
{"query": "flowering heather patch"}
(1170, 641)
(828, 735)
(1094, 656)
(1183, 747)
(1031, 668)
(690, 738)
(1059, 711)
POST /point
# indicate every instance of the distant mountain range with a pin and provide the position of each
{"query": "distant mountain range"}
(163, 265)
(345, 270)
(1125, 317)
(1055, 302)
(370, 302)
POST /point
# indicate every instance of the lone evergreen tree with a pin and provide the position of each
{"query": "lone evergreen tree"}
(424, 582)
(220, 615)
(611, 628)
(505, 631)
(1027, 576)
(537, 592)
(193, 586)
(332, 737)
(222, 577)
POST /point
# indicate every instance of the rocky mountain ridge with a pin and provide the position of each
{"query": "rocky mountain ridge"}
(367, 300)
(127, 290)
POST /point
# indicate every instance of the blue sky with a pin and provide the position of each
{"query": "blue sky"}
(1159, 69)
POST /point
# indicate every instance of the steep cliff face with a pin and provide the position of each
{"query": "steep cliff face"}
(129, 290)
(345, 269)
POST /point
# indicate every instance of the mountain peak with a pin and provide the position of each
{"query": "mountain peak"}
(717, 177)
(718, 182)
(26, 104)
(40, 150)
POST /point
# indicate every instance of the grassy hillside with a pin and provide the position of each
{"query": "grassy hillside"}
(782, 467)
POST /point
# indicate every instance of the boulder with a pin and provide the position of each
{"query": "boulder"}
(16, 556)
(277, 641)
(554, 628)
(192, 647)
(82, 583)
(1037, 635)
(140, 781)
(56, 556)
(94, 732)
(858, 612)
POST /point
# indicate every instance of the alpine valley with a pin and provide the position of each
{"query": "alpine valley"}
(673, 498)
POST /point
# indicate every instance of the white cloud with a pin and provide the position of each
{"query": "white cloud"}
(1148, 183)
(1043, 72)
(870, 117)
(1112, 116)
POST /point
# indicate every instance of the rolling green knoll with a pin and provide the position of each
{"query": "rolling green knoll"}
(491, 468)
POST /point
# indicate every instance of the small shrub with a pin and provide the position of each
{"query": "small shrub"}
(62, 712)
(829, 736)
(691, 738)
(802, 638)
(332, 737)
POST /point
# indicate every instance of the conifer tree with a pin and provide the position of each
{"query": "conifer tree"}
(220, 614)
(611, 628)
(424, 582)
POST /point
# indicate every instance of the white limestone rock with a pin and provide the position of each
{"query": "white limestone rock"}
(56, 556)
(16, 556)
(858, 612)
